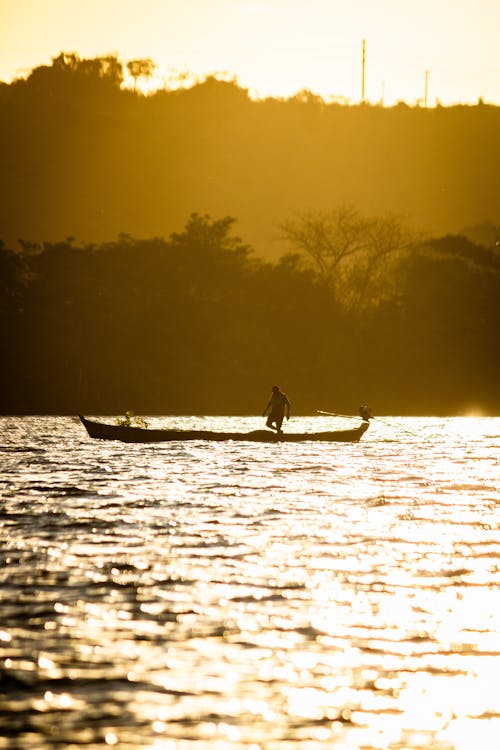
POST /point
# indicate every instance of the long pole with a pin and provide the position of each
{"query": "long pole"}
(377, 419)
(363, 63)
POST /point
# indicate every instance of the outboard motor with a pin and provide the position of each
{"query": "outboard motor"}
(365, 413)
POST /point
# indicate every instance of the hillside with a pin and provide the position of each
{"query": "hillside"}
(83, 157)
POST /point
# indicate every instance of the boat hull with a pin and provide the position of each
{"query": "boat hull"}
(102, 431)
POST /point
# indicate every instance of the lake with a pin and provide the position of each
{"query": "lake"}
(230, 596)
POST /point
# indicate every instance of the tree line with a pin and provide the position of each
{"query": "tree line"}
(361, 309)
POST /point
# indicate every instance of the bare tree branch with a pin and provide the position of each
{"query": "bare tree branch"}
(349, 251)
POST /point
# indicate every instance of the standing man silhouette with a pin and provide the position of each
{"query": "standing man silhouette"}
(277, 406)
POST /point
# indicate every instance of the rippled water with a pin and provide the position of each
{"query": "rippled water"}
(243, 595)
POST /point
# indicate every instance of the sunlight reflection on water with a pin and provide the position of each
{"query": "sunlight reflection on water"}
(242, 595)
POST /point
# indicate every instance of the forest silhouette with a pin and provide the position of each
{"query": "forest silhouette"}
(162, 308)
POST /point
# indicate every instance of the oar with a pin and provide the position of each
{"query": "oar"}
(331, 414)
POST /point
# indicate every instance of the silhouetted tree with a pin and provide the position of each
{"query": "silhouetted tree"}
(350, 251)
(204, 235)
(486, 233)
(142, 68)
(13, 279)
(107, 68)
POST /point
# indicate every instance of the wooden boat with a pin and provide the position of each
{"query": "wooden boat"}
(125, 434)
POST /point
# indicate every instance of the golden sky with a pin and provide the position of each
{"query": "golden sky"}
(276, 47)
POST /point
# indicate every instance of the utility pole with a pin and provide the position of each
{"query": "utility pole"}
(426, 88)
(363, 62)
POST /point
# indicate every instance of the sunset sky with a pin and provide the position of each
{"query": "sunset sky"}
(276, 47)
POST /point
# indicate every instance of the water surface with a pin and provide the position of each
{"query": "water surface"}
(183, 596)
